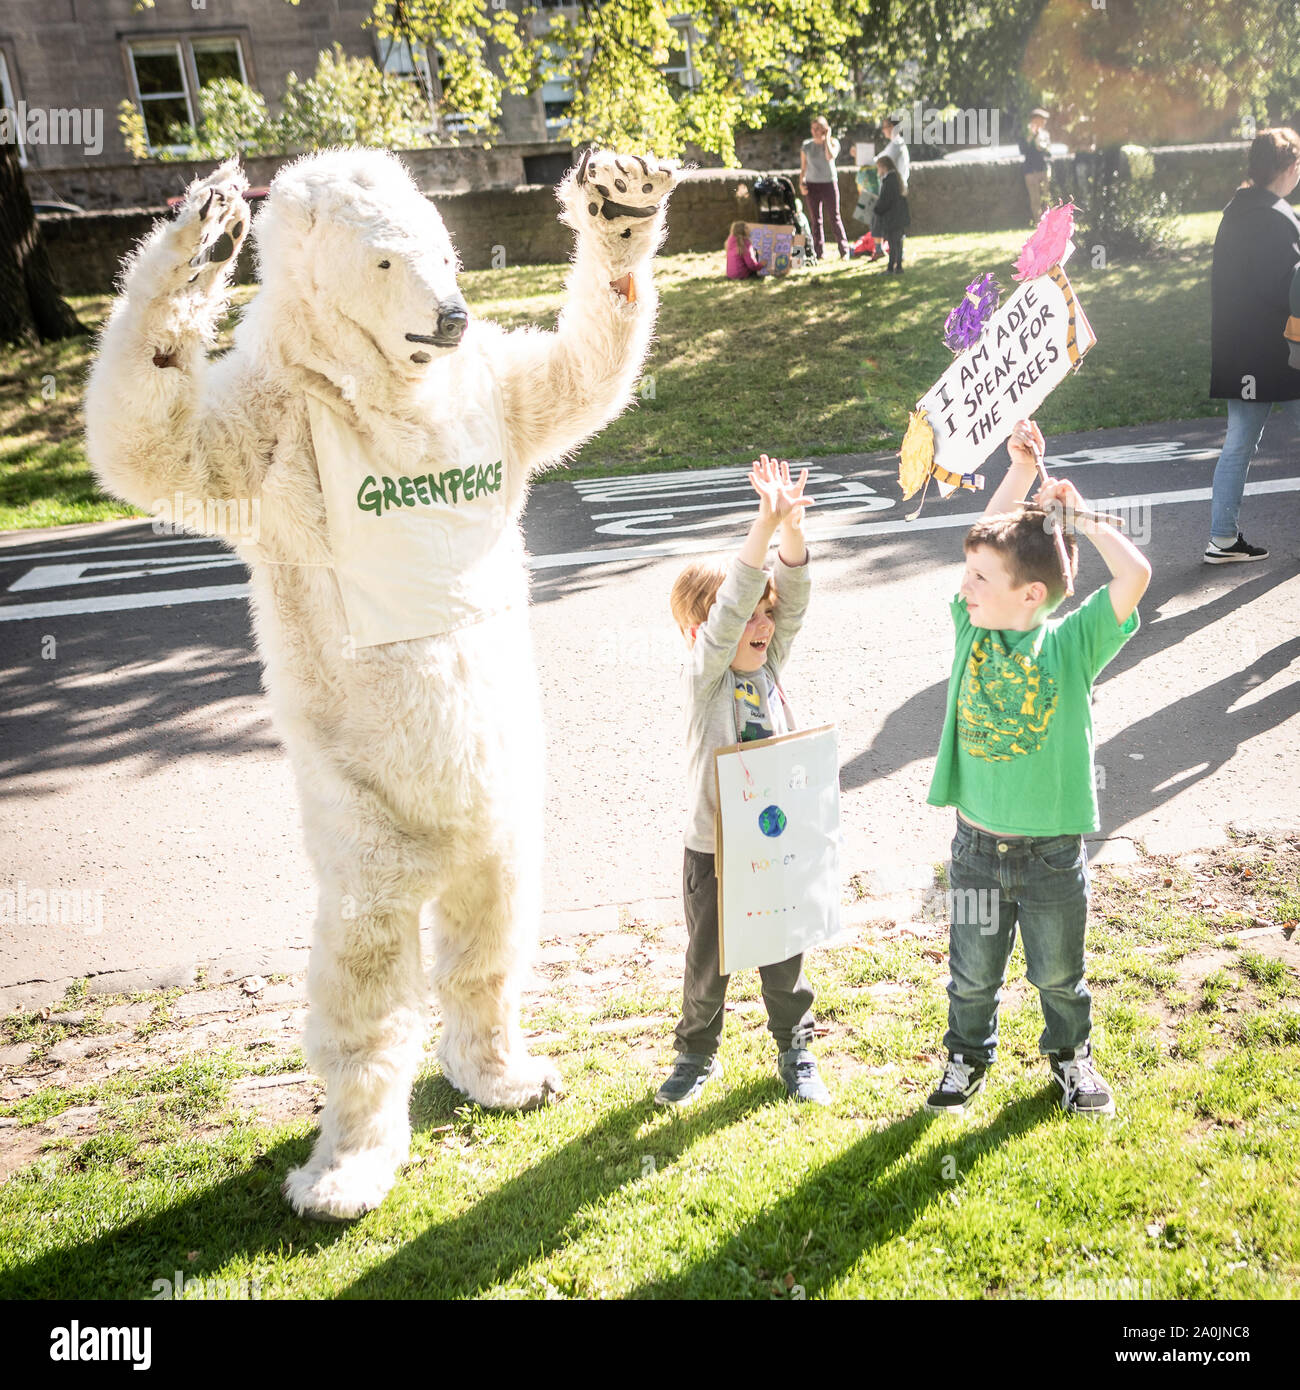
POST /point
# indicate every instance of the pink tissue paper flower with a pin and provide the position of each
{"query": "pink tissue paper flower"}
(1046, 246)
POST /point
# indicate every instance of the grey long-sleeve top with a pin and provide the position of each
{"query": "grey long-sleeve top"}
(711, 683)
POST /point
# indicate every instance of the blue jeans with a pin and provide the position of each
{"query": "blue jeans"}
(1246, 420)
(997, 881)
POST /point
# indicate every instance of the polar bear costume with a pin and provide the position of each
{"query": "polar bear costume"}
(359, 394)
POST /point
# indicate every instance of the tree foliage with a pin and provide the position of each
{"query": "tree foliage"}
(1164, 71)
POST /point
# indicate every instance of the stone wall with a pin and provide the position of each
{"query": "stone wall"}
(442, 169)
(87, 249)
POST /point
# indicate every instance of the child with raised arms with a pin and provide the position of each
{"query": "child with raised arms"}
(738, 621)
(1016, 762)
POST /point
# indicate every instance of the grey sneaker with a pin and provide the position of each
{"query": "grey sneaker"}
(1083, 1092)
(961, 1082)
(688, 1078)
(797, 1069)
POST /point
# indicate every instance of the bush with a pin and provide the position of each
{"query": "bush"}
(1120, 208)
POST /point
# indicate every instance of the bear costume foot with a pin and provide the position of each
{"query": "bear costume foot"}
(327, 1188)
(524, 1083)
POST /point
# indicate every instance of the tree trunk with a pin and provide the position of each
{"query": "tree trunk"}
(31, 308)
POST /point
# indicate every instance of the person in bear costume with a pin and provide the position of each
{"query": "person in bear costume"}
(388, 439)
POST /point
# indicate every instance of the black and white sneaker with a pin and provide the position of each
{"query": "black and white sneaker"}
(1083, 1092)
(1240, 549)
(961, 1081)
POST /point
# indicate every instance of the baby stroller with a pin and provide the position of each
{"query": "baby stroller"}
(778, 203)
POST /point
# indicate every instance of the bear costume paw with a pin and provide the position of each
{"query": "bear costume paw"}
(616, 203)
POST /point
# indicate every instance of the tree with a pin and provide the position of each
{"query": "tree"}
(31, 308)
(1160, 71)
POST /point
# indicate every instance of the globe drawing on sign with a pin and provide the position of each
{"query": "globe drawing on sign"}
(771, 820)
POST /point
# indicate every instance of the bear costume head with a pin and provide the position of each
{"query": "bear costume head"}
(358, 275)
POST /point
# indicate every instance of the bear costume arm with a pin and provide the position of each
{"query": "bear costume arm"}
(159, 422)
(561, 387)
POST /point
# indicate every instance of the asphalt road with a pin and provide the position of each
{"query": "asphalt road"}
(145, 798)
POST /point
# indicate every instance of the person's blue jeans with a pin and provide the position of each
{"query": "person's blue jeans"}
(997, 882)
(1246, 420)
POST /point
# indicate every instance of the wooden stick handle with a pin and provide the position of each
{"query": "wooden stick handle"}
(1062, 554)
(1116, 521)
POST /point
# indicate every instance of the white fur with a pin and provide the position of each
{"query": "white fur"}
(419, 764)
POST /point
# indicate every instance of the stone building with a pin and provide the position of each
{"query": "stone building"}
(66, 65)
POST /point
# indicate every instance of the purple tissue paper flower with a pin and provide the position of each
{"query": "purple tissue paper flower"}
(964, 325)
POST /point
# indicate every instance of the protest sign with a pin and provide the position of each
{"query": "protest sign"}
(778, 847)
(777, 248)
(1026, 349)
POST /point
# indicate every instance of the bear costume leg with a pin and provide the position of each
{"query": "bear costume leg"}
(365, 1037)
(485, 930)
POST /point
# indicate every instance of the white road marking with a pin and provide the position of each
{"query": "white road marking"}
(7, 557)
(113, 603)
(657, 550)
(660, 549)
(59, 576)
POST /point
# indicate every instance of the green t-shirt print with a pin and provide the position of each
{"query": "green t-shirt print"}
(1017, 746)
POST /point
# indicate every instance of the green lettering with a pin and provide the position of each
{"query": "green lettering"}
(408, 492)
(391, 499)
(422, 489)
(454, 476)
(368, 499)
(437, 488)
(496, 473)
(468, 483)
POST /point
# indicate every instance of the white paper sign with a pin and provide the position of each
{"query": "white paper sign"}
(1026, 350)
(778, 854)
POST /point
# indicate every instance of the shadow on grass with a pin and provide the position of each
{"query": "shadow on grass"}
(244, 1216)
(532, 1214)
(850, 1210)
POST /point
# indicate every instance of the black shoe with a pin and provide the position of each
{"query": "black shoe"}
(1240, 549)
(961, 1081)
(688, 1078)
(1083, 1092)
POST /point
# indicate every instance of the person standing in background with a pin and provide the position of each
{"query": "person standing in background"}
(820, 185)
(1037, 150)
(1256, 254)
(896, 148)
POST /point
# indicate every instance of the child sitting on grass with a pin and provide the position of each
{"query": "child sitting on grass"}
(1016, 761)
(741, 261)
(739, 622)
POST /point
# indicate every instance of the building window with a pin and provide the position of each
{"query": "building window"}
(10, 105)
(214, 58)
(168, 73)
(681, 56)
(557, 97)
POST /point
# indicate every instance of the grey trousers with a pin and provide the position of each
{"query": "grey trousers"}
(786, 991)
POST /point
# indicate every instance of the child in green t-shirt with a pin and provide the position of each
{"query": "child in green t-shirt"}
(1016, 761)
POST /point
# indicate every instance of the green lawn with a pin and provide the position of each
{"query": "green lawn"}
(1188, 1192)
(825, 362)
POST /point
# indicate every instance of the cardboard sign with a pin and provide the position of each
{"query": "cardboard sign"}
(778, 249)
(778, 847)
(1027, 349)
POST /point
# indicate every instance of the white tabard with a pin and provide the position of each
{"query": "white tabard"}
(419, 547)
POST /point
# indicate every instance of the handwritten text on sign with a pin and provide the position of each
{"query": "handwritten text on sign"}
(1026, 350)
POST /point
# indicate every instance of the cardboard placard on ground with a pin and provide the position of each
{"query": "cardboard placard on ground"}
(778, 248)
(1027, 349)
(778, 847)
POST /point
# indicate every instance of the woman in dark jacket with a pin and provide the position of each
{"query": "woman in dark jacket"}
(892, 216)
(1256, 253)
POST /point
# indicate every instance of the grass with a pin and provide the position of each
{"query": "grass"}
(1188, 1193)
(821, 363)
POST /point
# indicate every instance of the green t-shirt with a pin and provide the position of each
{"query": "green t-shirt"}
(1016, 752)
